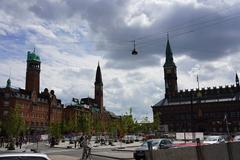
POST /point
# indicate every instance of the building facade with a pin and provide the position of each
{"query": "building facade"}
(38, 110)
(93, 108)
(208, 110)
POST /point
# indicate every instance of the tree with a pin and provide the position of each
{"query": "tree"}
(55, 130)
(156, 121)
(112, 127)
(70, 125)
(14, 124)
(98, 126)
(126, 124)
(145, 125)
(85, 123)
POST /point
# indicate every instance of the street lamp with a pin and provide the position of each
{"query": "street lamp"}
(134, 52)
(226, 121)
(191, 110)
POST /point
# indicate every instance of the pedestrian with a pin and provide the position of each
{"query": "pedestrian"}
(75, 143)
(20, 142)
(81, 141)
(86, 148)
(1, 145)
(17, 142)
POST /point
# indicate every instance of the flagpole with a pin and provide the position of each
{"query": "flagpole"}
(198, 81)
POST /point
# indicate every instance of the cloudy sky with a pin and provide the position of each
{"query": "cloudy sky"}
(71, 36)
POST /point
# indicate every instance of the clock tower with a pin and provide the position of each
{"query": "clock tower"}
(33, 72)
(170, 74)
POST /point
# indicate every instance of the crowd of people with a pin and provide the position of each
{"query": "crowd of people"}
(12, 143)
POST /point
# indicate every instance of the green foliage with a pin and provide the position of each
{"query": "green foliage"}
(85, 123)
(145, 125)
(112, 128)
(70, 125)
(14, 124)
(55, 130)
(127, 124)
(98, 126)
(156, 121)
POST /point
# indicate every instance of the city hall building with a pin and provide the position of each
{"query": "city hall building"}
(38, 110)
(208, 110)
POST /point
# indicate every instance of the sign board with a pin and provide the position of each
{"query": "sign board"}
(189, 135)
(180, 136)
(199, 135)
(44, 137)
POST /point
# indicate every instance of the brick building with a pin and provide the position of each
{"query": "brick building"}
(94, 107)
(39, 110)
(208, 110)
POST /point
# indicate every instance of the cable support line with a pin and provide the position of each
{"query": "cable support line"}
(213, 23)
(144, 38)
(186, 25)
(193, 25)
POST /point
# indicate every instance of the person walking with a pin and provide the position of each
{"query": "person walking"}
(81, 141)
(86, 148)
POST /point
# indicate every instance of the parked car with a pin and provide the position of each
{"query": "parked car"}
(23, 156)
(213, 139)
(236, 138)
(129, 138)
(163, 143)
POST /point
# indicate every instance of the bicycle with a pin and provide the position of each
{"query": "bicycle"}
(87, 154)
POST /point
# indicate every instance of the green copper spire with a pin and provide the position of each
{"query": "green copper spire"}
(8, 83)
(32, 56)
(237, 80)
(169, 55)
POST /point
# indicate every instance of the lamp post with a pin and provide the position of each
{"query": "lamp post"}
(191, 112)
(226, 121)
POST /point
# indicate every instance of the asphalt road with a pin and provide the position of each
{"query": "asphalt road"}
(64, 154)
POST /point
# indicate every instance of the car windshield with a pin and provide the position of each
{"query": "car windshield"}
(153, 142)
(212, 138)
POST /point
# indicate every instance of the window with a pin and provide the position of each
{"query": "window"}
(6, 112)
(6, 95)
(6, 103)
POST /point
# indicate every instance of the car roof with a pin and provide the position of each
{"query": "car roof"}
(215, 136)
(24, 155)
(158, 139)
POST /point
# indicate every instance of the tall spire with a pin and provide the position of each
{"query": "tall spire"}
(170, 73)
(99, 89)
(8, 83)
(237, 80)
(169, 54)
(98, 79)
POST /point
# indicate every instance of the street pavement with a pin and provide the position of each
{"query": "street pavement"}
(63, 152)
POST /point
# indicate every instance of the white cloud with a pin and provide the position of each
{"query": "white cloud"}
(72, 36)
